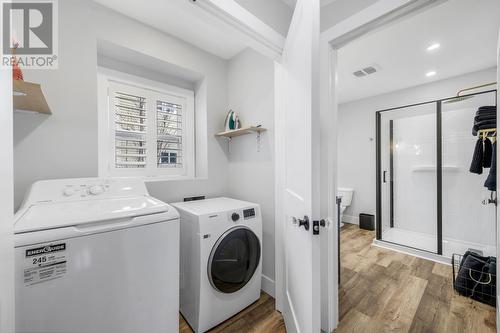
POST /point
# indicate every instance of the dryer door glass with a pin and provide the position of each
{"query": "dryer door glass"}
(233, 260)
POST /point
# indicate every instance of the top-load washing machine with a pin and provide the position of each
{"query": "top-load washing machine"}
(220, 259)
(96, 256)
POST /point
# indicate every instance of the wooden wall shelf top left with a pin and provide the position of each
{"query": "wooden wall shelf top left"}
(28, 96)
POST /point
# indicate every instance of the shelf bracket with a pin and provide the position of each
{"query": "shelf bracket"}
(258, 141)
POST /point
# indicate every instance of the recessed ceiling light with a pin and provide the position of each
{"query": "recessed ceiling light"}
(431, 73)
(433, 47)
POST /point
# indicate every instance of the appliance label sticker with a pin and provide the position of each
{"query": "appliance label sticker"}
(45, 263)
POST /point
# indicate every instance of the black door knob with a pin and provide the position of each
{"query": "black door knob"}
(235, 217)
(304, 223)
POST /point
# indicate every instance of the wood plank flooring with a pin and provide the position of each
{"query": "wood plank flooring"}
(386, 291)
(259, 317)
(381, 291)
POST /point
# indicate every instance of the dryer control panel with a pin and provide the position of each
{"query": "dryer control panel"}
(244, 214)
(249, 213)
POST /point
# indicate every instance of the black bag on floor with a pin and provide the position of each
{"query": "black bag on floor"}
(476, 278)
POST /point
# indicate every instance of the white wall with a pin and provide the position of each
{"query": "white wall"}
(274, 13)
(339, 10)
(133, 35)
(65, 144)
(251, 173)
(356, 136)
(6, 203)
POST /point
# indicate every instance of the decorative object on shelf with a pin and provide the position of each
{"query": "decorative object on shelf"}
(232, 121)
(17, 73)
(27, 96)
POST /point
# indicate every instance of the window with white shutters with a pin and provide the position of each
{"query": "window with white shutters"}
(151, 131)
(130, 131)
(169, 144)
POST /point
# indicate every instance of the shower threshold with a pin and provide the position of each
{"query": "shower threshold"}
(424, 245)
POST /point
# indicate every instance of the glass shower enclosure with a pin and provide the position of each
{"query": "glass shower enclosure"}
(427, 200)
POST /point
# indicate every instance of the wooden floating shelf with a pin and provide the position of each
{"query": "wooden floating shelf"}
(28, 96)
(241, 131)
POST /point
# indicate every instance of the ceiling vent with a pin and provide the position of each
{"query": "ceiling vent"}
(359, 73)
(369, 70)
(366, 71)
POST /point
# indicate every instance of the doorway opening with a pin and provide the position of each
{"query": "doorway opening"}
(404, 147)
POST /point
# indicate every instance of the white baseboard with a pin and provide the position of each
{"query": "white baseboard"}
(268, 285)
(350, 219)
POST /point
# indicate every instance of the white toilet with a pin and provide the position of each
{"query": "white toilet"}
(346, 194)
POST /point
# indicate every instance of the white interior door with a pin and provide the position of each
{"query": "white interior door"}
(298, 171)
(6, 204)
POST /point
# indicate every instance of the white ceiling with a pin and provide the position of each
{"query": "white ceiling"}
(291, 3)
(184, 20)
(466, 30)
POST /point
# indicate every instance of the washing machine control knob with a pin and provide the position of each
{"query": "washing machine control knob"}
(69, 191)
(96, 189)
(235, 217)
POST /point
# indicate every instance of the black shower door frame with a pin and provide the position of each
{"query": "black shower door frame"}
(439, 168)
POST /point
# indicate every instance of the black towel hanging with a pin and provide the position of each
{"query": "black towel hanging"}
(491, 181)
(476, 165)
(488, 150)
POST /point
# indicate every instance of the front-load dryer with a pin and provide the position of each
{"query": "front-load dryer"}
(220, 259)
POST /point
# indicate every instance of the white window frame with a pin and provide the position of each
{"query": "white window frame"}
(111, 80)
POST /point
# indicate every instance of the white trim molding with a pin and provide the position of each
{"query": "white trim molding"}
(279, 181)
(411, 251)
(268, 286)
(350, 219)
(7, 297)
(498, 170)
(373, 17)
(379, 14)
(258, 34)
(107, 79)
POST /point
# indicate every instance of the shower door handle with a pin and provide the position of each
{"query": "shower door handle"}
(384, 179)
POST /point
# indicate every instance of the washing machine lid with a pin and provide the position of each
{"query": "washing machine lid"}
(52, 215)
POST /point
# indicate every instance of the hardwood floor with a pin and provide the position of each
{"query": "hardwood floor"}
(386, 291)
(381, 291)
(260, 317)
